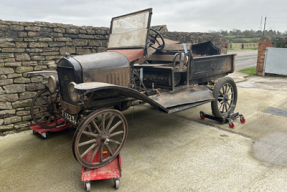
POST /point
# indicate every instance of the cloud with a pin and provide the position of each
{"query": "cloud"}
(184, 15)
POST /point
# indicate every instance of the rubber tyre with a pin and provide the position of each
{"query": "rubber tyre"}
(32, 111)
(217, 87)
(87, 186)
(45, 135)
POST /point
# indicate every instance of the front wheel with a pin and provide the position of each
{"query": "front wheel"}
(45, 109)
(99, 138)
(225, 94)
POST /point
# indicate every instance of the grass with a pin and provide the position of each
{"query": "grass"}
(250, 71)
(246, 44)
(248, 48)
(249, 40)
(251, 48)
(244, 39)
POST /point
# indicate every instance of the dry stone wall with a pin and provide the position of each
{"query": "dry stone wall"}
(34, 46)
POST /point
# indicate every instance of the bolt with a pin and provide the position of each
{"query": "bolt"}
(107, 141)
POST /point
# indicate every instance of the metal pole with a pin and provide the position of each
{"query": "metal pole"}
(264, 26)
(260, 26)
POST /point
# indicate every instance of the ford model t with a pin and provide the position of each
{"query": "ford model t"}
(90, 91)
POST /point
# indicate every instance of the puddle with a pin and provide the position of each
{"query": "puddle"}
(276, 111)
(272, 149)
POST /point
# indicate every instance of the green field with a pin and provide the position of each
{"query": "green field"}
(248, 40)
(235, 46)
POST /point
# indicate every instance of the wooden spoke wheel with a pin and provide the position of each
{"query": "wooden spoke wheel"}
(99, 138)
(45, 109)
(225, 94)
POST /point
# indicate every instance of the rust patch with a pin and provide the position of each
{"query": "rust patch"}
(120, 76)
(131, 54)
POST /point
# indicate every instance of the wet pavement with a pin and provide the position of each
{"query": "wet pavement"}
(267, 83)
(177, 152)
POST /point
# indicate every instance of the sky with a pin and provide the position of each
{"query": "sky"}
(183, 15)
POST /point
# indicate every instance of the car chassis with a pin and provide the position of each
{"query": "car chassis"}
(90, 91)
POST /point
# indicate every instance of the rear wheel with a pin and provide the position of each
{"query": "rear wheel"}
(99, 138)
(225, 94)
(45, 109)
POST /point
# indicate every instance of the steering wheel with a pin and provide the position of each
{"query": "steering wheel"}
(153, 40)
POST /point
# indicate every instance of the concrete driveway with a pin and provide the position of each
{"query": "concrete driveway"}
(178, 152)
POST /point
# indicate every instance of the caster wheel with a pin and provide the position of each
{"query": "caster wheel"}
(116, 183)
(45, 135)
(242, 120)
(231, 125)
(202, 116)
(87, 186)
(34, 132)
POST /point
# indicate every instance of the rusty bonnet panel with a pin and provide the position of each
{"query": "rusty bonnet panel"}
(107, 67)
(105, 60)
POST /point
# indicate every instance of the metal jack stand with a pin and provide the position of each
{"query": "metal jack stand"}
(229, 119)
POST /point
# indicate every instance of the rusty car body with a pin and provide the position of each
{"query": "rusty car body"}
(90, 91)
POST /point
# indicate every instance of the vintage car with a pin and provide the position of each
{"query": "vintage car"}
(90, 91)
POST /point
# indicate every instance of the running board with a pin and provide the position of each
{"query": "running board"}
(184, 97)
(185, 107)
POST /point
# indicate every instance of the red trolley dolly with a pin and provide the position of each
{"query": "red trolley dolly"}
(229, 119)
(109, 171)
(43, 132)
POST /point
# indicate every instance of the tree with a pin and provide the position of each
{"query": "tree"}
(224, 33)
